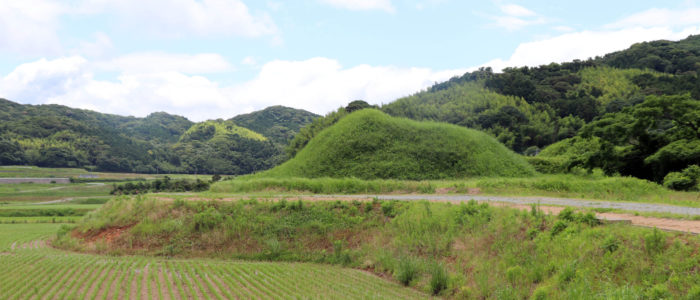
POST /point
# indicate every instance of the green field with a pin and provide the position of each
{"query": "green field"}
(47, 273)
(32, 171)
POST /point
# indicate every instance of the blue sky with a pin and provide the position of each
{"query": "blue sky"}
(218, 58)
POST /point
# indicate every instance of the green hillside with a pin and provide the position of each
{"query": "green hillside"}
(633, 112)
(60, 136)
(370, 144)
(278, 123)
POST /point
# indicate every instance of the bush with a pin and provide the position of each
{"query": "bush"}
(406, 271)
(388, 208)
(567, 214)
(686, 180)
(611, 244)
(438, 279)
(207, 219)
(540, 293)
(559, 226)
(655, 242)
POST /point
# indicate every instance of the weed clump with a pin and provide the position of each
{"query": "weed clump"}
(438, 279)
(406, 271)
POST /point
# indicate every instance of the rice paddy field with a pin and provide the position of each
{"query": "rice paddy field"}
(34, 270)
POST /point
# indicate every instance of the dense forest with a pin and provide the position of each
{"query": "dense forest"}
(59, 136)
(634, 112)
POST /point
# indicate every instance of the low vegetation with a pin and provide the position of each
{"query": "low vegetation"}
(467, 250)
(162, 185)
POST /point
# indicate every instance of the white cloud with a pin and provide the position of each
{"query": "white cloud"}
(29, 27)
(156, 62)
(517, 10)
(322, 84)
(384, 5)
(656, 17)
(178, 17)
(317, 84)
(516, 17)
(37, 81)
(585, 44)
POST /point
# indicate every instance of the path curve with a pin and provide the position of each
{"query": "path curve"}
(691, 226)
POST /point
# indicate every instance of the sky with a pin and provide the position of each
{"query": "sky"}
(208, 59)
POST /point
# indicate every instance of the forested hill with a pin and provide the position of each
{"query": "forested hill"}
(633, 112)
(277, 123)
(60, 136)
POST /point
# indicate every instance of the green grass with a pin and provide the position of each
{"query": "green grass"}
(465, 250)
(48, 273)
(41, 172)
(369, 144)
(595, 187)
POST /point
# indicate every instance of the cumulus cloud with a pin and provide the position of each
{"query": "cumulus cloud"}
(205, 17)
(584, 45)
(384, 5)
(29, 26)
(317, 84)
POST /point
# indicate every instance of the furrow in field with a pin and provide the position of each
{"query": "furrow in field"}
(91, 284)
(37, 279)
(240, 286)
(217, 282)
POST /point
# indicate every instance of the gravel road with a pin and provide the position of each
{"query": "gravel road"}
(631, 206)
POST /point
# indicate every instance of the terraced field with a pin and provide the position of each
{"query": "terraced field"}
(32, 270)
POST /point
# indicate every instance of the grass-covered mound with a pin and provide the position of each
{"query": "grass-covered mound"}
(464, 251)
(369, 144)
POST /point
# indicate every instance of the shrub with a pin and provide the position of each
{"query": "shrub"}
(559, 226)
(438, 279)
(406, 271)
(655, 242)
(208, 219)
(388, 208)
(567, 214)
(540, 293)
(611, 244)
(683, 181)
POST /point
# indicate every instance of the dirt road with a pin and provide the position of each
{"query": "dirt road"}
(555, 205)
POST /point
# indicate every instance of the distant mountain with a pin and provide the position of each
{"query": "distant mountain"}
(60, 136)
